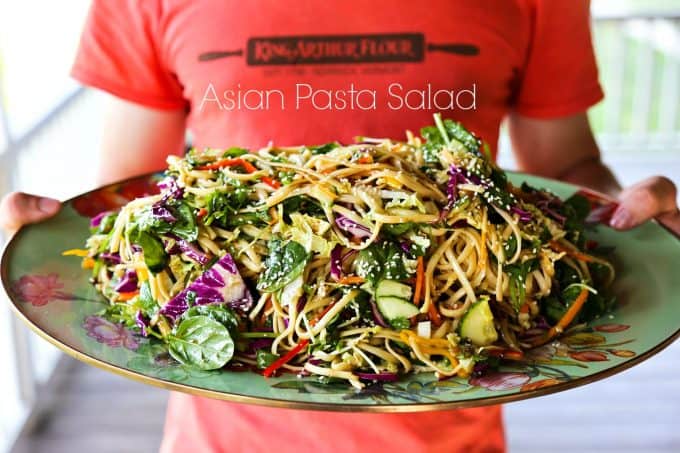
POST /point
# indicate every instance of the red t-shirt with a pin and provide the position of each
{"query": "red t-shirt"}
(311, 72)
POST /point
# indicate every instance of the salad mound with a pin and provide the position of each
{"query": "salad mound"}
(358, 262)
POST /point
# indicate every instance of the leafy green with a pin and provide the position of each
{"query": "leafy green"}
(400, 323)
(302, 204)
(518, 273)
(285, 262)
(265, 358)
(185, 226)
(147, 303)
(510, 246)
(575, 209)
(443, 134)
(201, 342)
(223, 205)
(218, 312)
(105, 224)
(382, 260)
(323, 149)
(398, 229)
(235, 152)
(155, 256)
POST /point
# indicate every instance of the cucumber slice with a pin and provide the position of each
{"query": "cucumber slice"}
(394, 307)
(477, 324)
(391, 288)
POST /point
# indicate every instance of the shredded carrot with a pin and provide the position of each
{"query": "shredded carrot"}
(75, 252)
(434, 314)
(127, 296)
(420, 278)
(509, 354)
(271, 182)
(366, 159)
(556, 246)
(88, 263)
(223, 163)
(524, 308)
(566, 319)
(202, 213)
(351, 280)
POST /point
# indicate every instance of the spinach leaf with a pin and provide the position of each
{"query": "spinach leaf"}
(265, 358)
(323, 149)
(433, 143)
(303, 205)
(201, 342)
(222, 205)
(218, 312)
(185, 226)
(235, 152)
(383, 260)
(575, 209)
(147, 303)
(285, 262)
(518, 273)
(155, 256)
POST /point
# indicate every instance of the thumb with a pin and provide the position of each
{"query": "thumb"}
(653, 197)
(17, 209)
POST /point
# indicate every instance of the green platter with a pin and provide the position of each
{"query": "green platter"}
(51, 294)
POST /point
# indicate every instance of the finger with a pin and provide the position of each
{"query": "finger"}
(17, 209)
(651, 198)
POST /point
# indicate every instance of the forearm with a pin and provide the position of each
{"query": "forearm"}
(592, 173)
(136, 140)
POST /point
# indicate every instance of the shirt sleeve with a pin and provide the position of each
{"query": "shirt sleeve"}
(560, 76)
(119, 52)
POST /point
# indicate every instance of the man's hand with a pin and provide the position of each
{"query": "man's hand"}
(564, 148)
(17, 209)
(654, 197)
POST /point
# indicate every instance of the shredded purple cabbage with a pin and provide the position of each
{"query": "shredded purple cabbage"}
(301, 303)
(113, 258)
(405, 246)
(97, 220)
(222, 283)
(456, 176)
(161, 212)
(171, 189)
(350, 226)
(546, 206)
(259, 343)
(192, 252)
(384, 377)
(142, 323)
(524, 216)
(128, 283)
(336, 262)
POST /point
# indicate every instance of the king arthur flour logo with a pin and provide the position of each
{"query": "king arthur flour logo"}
(333, 49)
(336, 49)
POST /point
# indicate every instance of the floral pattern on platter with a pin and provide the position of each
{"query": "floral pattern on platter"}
(110, 334)
(39, 290)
